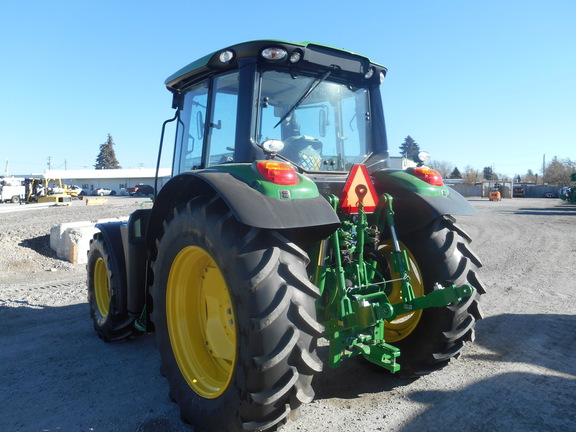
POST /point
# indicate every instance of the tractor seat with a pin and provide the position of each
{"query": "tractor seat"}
(305, 151)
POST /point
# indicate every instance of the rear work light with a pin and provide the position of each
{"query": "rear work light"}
(279, 173)
(429, 175)
(274, 53)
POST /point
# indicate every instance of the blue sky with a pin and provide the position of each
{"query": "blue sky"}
(478, 83)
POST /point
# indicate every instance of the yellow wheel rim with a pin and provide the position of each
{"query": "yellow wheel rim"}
(101, 287)
(201, 322)
(405, 324)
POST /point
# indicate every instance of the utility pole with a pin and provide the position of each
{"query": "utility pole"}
(543, 168)
(49, 162)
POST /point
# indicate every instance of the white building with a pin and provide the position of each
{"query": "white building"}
(117, 180)
(399, 162)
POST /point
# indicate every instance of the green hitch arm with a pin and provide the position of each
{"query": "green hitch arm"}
(398, 256)
(345, 305)
(438, 298)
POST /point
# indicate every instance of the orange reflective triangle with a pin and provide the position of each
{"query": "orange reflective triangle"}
(358, 188)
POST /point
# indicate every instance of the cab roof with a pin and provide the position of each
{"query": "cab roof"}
(313, 56)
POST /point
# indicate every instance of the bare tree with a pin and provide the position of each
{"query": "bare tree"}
(472, 176)
(557, 172)
(443, 167)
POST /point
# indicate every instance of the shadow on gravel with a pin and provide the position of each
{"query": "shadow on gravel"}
(40, 244)
(353, 378)
(554, 211)
(512, 401)
(58, 375)
(543, 340)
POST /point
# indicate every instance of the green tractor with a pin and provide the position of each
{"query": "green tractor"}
(283, 224)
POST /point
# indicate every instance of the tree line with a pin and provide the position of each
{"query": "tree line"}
(556, 172)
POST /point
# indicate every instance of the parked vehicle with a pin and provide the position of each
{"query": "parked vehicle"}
(12, 189)
(518, 191)
(74, 190)
(282, 224)
(103, 191)
(140, 189)
(495, 194)
(38, 190)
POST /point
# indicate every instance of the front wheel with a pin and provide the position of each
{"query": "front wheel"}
(107, 293)
(235, 320)
(429, 338)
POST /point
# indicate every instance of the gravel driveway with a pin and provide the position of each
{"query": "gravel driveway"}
(519, 375)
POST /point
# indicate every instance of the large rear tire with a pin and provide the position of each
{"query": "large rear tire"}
(429, 338)
(235, 320)
(107, 293)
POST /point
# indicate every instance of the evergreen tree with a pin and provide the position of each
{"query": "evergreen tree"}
(107, 157)
(456, 174)
(409, 148)
(489, 173)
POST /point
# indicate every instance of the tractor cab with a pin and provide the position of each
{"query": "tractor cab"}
(311, 105)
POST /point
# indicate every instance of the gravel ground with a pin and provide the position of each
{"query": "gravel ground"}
(519, 375)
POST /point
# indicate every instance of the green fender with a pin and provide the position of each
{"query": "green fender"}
(415, 202)
(310, 218)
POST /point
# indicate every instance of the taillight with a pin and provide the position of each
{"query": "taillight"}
(429, 175)
(278, 172)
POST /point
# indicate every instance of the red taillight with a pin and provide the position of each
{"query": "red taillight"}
(278, 172)
(429, 175)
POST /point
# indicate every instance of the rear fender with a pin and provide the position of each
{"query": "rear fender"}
(311, 218)
(416, 203)
(112, 234)
(128, 253)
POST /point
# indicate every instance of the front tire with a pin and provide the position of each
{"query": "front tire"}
(429, 338)
(235, 320)
(107, 293)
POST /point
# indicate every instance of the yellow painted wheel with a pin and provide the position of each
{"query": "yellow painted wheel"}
(405, 324)
(201, 322)
(101, 287)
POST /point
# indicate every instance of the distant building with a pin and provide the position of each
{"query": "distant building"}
(120, 179)
(116, 179)
(399, 162)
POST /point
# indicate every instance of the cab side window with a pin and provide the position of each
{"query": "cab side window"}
(222, 126)
(190, 136)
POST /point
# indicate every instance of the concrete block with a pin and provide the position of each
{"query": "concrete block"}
(96, 201)
(71, 241)
(76, 243)
(57, 231)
